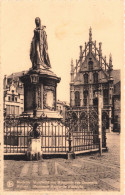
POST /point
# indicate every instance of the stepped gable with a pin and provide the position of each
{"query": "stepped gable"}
(91, 53)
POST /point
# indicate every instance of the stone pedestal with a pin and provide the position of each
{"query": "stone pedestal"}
(70, 155)
(40, 93)
(34, 149)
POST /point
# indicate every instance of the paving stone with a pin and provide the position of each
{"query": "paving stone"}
(94, 171)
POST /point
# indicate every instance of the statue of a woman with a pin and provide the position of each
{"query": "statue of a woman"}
(39, 47)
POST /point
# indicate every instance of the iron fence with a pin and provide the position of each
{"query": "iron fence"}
(76, 134)
(17, 135)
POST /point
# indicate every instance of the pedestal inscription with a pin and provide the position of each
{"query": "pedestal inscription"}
(49, 98)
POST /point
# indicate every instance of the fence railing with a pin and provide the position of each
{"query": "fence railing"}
(85, 140)
(56, 137)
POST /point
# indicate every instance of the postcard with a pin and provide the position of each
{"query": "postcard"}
(62, 97)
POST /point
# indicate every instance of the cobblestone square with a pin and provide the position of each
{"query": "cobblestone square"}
(86, 172)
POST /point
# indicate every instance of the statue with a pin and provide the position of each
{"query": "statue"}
(39, 47)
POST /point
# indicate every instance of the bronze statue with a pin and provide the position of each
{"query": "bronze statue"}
(39, 47)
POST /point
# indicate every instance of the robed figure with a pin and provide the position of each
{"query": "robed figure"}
(39, 47)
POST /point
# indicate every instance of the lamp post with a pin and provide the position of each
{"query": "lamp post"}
(35, 146)
(34, 80)
(100, 106)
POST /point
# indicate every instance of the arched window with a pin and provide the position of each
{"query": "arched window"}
(85, 95)
(9, 99)
(95, 77)
(13, 97)
(85, 78)
(77, 98)
(105, 96)
(95, 98)
(90, 63)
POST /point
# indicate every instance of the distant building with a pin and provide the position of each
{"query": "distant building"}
(62, 107)
(116, 107)
(13, 96)
(90, 75)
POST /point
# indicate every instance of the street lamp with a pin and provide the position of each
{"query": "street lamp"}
(34, 78)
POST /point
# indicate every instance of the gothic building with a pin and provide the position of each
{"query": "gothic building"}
(92, 74)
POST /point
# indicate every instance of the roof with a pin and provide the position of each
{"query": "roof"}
(117, 88)
(116, 75)
(16, 75)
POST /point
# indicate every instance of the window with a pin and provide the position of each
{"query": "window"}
(15, 99)
(12, 110)
(16, 110)
(7, 109)
(9, 98)
(95, 77)
(85, 95)
(61, 112)
(22, 110)
(85, 78)
(90, 63)
(77, 98)
(105, 96)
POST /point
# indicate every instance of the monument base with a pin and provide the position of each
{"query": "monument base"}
(70, 155)
(48, 114)
(39, 67)
(34, 149)
(45, 114)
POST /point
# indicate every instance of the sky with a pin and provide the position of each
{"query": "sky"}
(67, 26)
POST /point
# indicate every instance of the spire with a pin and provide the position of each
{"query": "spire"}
(81, 55)
(72, 66)
(72, 71)
(100, 48)
(110, 68)
(85, 49)
(95, 48)
(105, 58)
(90, 34)
(100, 54)
(110, 62)
(76, 64)
(80, 51)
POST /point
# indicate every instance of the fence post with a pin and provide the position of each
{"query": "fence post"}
(70, 153)
(100, 105)
(70, 140)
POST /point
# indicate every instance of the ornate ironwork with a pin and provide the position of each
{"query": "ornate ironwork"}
(78, 133)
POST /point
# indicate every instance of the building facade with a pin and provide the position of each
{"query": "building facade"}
(62, 107)
(92, 74)
(116, 107)
(13, 96)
